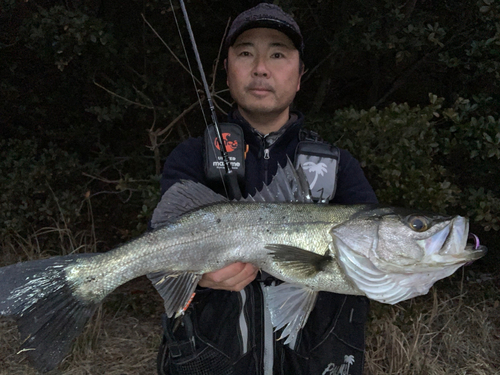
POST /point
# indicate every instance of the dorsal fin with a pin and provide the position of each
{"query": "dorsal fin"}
(181, 198)
(288, 185)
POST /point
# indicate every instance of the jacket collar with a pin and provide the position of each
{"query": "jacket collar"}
(291, 128)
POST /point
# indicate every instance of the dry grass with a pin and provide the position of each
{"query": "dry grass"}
(433, 335)
(122, 339)
(437, 334)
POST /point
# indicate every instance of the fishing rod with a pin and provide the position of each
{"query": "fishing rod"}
(230, 178)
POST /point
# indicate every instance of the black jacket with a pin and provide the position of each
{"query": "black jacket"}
(226, 332)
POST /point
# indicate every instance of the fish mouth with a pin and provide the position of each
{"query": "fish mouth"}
(475, 248)
(450, 244)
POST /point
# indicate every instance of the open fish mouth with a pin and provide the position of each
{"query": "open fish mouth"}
(453, 244)
(449, 242)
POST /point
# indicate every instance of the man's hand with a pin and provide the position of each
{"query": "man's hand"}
(234, 277)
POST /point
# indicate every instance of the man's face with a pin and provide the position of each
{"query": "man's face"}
(263, 72)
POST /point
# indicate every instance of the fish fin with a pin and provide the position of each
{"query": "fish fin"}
(382, 286)
(290, 306)
(302, 263)
(181, 198)
(176, 289)
(288, 185)
(49, 316)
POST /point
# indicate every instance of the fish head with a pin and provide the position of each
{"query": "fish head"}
(396, 254)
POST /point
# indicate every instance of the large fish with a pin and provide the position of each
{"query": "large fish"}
(387, 254)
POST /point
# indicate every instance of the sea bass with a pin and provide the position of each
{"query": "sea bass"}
(384, 253)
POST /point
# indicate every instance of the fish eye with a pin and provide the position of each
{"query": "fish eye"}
(418, 223)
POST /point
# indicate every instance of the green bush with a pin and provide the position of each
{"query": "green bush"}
(41, 188)
(49, 193)
(438, 158)
(93, 78)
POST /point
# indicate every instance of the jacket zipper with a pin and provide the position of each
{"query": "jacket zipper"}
(265, 154)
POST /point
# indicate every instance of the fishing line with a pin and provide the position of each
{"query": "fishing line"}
(223, 151)
(188, 62)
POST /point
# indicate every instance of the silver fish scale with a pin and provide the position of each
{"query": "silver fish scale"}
(211, 238)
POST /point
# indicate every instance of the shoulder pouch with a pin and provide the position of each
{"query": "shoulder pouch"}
(319, 161)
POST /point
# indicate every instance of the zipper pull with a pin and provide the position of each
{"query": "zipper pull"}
(266, 153)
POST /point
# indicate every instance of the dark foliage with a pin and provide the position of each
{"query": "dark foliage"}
(90, 94)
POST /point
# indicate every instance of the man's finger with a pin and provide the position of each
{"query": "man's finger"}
(233, 277)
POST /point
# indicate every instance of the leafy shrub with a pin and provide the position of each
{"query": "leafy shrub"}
(438, 158)
(62, 35)
(41, 188)
(51, 194)
(92, 78)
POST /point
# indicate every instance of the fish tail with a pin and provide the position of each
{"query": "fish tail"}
(48, 314)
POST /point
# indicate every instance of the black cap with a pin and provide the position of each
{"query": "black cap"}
(268, 16)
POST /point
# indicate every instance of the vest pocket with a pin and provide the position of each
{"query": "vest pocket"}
(332, 342)
(207, 340)
(204, 361)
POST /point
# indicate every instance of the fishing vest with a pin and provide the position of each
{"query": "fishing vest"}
(318, 159)
(229, 333)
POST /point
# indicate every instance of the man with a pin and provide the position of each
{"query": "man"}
(226, 329)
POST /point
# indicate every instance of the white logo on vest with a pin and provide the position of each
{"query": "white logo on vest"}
(319, 169)
(343, 369)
